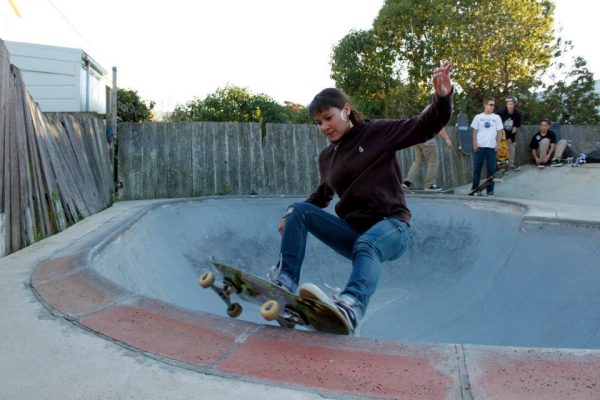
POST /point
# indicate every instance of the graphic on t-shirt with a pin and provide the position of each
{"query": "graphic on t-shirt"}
(487, 124)
(508, 125)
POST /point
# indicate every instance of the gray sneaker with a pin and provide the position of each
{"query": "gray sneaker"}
(342, 308)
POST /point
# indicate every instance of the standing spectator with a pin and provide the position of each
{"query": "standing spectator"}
(544, 147)
(427, 153)
(487, 129)
(511, 118)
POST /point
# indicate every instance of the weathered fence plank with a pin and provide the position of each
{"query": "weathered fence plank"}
(49, 189)
(26, 184)
(198, 159)
(137, 161)
(257, 178)
(40, 205)
(12, 206)
(4, 149)
(161, 161)
(54, 169)
(150, 171)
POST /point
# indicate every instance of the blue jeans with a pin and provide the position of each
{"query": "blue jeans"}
(386, 240)
(489, 154)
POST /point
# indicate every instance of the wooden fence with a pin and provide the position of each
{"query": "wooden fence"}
(181, 159)
(55, 169)
(184, 159)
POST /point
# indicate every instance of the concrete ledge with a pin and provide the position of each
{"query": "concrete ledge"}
(333, 365)
(516, 373)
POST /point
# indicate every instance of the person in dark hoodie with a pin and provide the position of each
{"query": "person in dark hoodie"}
(372, 224)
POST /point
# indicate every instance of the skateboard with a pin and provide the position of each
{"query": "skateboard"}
(277, 304)
(422, 191)
(463, 129)
(497, 177)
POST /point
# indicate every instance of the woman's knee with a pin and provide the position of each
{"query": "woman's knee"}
(300, 210)
(365, 246)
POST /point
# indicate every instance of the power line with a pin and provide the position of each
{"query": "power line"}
(73, 26)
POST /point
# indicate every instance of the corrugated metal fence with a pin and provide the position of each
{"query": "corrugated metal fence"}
(54, 168)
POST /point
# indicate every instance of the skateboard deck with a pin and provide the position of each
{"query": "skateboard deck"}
(422, 191)
(277, 304)
(497, 177)
(463, 129)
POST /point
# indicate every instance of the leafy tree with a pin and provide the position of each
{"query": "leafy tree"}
(498, 48)
(236, 104)
(131, 108)
(567, 93)
(363, 69)
(570, 99)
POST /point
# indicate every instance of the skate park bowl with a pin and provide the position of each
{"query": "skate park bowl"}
(484, 282)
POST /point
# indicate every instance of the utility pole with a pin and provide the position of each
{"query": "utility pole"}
(113, 127)
(113, 103)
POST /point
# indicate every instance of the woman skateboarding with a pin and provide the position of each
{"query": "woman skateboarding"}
(372, 224)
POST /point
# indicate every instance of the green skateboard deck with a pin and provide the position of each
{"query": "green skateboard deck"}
(277, 304)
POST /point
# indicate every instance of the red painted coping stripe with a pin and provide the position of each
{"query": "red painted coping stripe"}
(324, 363)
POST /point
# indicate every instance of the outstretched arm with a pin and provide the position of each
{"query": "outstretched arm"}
(400, 134)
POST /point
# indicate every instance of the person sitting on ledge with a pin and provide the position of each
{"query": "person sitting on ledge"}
(544, 148)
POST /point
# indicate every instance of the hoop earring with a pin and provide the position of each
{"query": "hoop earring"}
(342, 116)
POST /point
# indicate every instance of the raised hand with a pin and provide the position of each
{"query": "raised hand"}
(441, 80)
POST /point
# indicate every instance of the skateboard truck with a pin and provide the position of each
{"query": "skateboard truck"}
(270, 310)
(207, 280)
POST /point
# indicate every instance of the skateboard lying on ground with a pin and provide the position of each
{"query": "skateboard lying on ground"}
(277, 304)
(423, 191)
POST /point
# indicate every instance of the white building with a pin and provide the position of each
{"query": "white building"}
(62, 79)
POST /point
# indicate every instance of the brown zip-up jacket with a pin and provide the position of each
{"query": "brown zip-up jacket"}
(362, 168)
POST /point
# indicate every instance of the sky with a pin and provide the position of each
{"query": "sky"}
(172, 51)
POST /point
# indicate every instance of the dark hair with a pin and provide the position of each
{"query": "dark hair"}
(546, 120)
(332, 97)
(487, 100)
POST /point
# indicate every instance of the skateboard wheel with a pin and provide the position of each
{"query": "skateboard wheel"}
(206, 280)
(234, 310)
(270, 310)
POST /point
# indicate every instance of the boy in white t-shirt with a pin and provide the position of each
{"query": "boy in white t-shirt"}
(487, 128)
